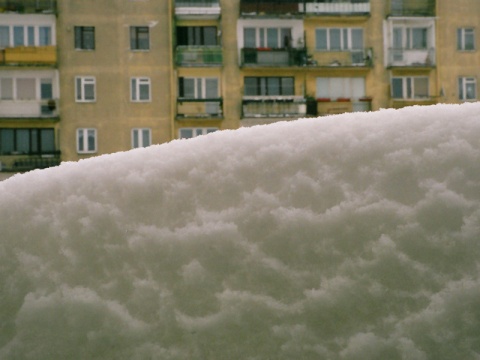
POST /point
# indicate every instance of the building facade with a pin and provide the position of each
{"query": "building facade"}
(85, 78)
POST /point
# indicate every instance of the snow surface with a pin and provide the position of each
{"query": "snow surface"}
(347, 237)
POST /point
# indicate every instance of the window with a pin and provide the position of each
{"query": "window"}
(410, 38)
(340, 87)
(86, 141)
(269, 86)
(26, 89)
(141, 138)
(275, 38)
(338, 39)
(139, 38)
(198, 88)
(467, 88)
(187, 133)
(85, 89)
(26, 35)
(197, 35)
(84, 38)
(410, 88)
(27, 141)
(465, 39)
(44, 35)
(140, 89)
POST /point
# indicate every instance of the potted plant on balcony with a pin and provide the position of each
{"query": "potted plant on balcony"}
(51, 105)
(343, 99)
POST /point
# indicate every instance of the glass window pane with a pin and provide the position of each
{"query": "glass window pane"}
(80, 140)
(22, 141)
(45, 33)
(358, 87)
(34, 141)
(6, 141)
(286, 37)
(420, 87)
(47, 140)
(287, 86)
(272, 38)
(397, 88)
(134, 89)
(6, 87)
(135, 138)
(249, 40)
(146, 137)
(322, 88)
(31, 36)
(186, 133)
(211, 85)
(469, 39)
(273, 86)
(335, 39)
(337, 88)
(357, 38)
(189, 88)
(210, 35)
(397, 38)
(18, 36)
(91, 139)
(250, 86)
(144, 91)
(89, 91)
(4, 37)
(46, 89)
(419, 40)
(143, 38)
(321, 39)
(26, 89)
(470, 88)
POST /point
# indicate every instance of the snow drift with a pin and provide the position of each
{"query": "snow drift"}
(354, 236)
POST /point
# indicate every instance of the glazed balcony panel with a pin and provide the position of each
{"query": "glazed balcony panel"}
(199, 108)
(29, 6)
(205, 9)
(29, 55)
(274, 106)
(273, 57)
(412, 7)
(29, 109)
(199, 55)
(411, 57)
(342, 58)
(352, 7)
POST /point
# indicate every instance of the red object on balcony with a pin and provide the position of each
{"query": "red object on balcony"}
(343, 99)
(365, 98)
(323, 100)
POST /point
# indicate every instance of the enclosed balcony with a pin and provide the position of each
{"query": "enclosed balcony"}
(412, 7)
(200, 9)
(29, 55)
(328, 7)
(274, 106)
(29, 109)
(273, 57)
(29, 6)
(199, 55)
(199, 108)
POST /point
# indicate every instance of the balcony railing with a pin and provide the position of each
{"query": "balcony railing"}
(274, 106)
(279, 7)
(19, 163)
(412, 7)
(29, 55)
(341, 7)
(203, 8)
(343, 105)
(411, 57)
(199, 108)
(28, 109)
(274, 57)
(341, 58)
(29, 6)
(199, 55)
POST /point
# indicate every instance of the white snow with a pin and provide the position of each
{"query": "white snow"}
(354, 236)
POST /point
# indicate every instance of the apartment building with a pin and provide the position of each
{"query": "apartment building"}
(90, 78)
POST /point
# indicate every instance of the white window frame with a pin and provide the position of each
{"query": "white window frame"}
(261, 36)
(408, 88)
(407, 37)
(38, 79)
(135, 84)
(199, 131)
(81, 82)
(463, 82)
(346, 43)
(27, 40)
(461, 36)
(200, 87)
(139, 139)
(83, 146)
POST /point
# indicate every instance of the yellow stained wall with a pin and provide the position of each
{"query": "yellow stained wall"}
(113, 64)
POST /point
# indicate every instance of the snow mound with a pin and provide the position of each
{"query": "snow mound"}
(354, 236)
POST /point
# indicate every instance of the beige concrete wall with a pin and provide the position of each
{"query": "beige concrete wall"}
(113, 64)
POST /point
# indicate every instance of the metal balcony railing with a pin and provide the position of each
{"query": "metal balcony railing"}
(28, 6)
(341, 58)
(199, 108)
(199, 55)
(271, 7)
(197, 8)
(411, 57)
(273, 57)
(351, 7)
(412, 7)
(274, 106)
(295, 7)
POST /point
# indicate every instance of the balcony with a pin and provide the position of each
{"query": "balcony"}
(411, 57)
(342, 58)
(199, 108)
(328, 106)
(269, 7)
(29, 109)
(412, 7)
(199, 56)
(274, 106)
(347, 7)
(273, 57)
(21, 163)
(29, 55)
(203, 9)
(29, 6)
